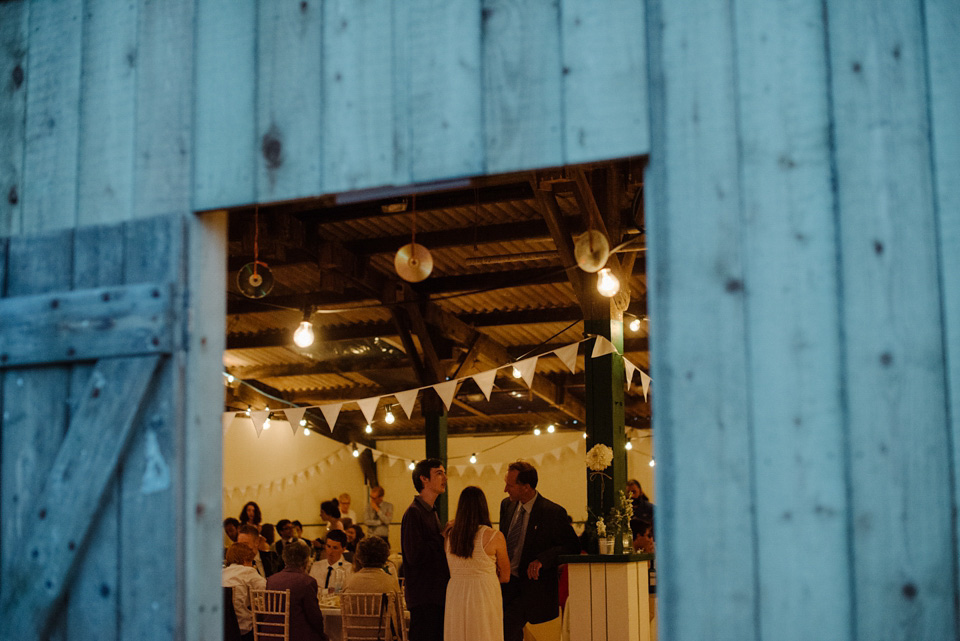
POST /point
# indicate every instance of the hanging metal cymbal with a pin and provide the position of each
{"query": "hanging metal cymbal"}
(591, 251)
(413, 262)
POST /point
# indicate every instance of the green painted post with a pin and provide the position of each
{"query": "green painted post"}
(435, 425)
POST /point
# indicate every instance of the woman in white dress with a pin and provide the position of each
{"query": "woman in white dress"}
(478, 561)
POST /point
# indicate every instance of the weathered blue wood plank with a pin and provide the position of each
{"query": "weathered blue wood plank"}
(107, 108)
(151, 478)
(91, 451)
(53, 114)
(605, 103)
(165, 106)
(91, 323)
(903, 541)
(706, 549)
(13, 104)
(94, 595)
(943, 50)
(225, 94)
(446, 138)
(34, 407)
(522, 98)
(790, 276)
(360, 128)
(289, 101)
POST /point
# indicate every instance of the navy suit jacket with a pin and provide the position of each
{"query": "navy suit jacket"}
(549, 534)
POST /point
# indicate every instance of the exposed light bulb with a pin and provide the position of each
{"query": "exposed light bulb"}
(551, 428)
(536, 431)
(229, 377)
(303, 422)
(306, 431)
(411, 465)
(652, 463)
(247, 411)
(607, 284)
(517, 373)
(584, 435)
(356, 453)
(473, 458)
(628, 446)
(266, 423)
(303, 336)
(368, 429)
(635, 325)
(389, 418)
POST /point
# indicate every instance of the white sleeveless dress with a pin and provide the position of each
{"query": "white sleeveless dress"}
(474, 609)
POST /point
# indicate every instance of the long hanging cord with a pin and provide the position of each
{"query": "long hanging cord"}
(256, 238)
(413, 235)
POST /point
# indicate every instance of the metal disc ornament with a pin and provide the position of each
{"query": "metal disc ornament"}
(255, 280)
(413, 262)
(591, 251)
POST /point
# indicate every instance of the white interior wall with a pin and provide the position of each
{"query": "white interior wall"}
(279, 471)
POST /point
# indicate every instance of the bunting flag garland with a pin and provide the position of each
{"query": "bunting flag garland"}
(407, 400)
(345, 453)
(447, 390)
(294, 414)
(259, 417)
(330, 413)
(485, 380)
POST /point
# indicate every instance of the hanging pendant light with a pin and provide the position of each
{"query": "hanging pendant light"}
(304, 335)
(607, 284)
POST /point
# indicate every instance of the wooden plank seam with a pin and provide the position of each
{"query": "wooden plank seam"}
(74, 490)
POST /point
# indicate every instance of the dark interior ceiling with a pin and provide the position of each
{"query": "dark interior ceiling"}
(504, 286)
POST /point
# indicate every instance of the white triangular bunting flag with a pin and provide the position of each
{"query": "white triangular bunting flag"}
(527, 367)
(407, 400)
(555, 453)
(330, 413)
(376, 454)
(294, 414)
(226, 419)
(645, 383)
(628, 369)
(369, 407)
(539, 459)
(574, 445)
(485, 380)
(258, 417)
(568, 356)
(496, 468)
(459, 469)
(446, 390)
(602, 347)
(392, 460)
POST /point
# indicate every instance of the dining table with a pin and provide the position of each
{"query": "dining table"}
(333, 619)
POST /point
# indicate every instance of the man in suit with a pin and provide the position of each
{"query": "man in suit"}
(306, 619)
(537, 532)
(265, 561)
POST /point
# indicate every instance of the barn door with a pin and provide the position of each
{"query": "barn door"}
(90, 332)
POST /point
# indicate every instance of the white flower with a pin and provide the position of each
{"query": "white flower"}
(599, 457)
(601, 528)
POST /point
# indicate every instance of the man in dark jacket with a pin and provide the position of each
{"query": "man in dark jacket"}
(537, 532)
(425, 568)
(306, 619)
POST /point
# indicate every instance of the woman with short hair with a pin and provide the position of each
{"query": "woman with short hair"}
(240, 575)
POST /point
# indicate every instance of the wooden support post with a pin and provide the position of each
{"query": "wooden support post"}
(435, 428)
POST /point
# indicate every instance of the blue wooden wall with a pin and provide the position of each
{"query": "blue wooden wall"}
(804, 216)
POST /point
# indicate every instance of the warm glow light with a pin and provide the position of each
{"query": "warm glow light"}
(229, 377)
(412, 465)
(389, 418)
(303, 336)
(607, 283)
(306, 431)
(368, 429)
(266, 423)
(551, 429)
(635, 325)
(536, 431)
(473, 458)
(356, 453)
(303, 422)
(584, 435)
(628, 446)
(517, 373)
(247, 411)
(652, 462)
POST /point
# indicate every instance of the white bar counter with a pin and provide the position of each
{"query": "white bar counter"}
(609, 597)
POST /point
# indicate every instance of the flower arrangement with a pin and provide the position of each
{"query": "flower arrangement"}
(598, 459)
(620, 515)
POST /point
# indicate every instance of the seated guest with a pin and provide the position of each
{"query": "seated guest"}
(268, 532)
(330, 514)
(306, 620)
(241, 577)
(354, 536)
(287, 531)
(371, 558)
(333, 570)
(266, 561)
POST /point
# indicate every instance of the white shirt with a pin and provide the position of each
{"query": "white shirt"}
(242, 578)
(338, 578)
